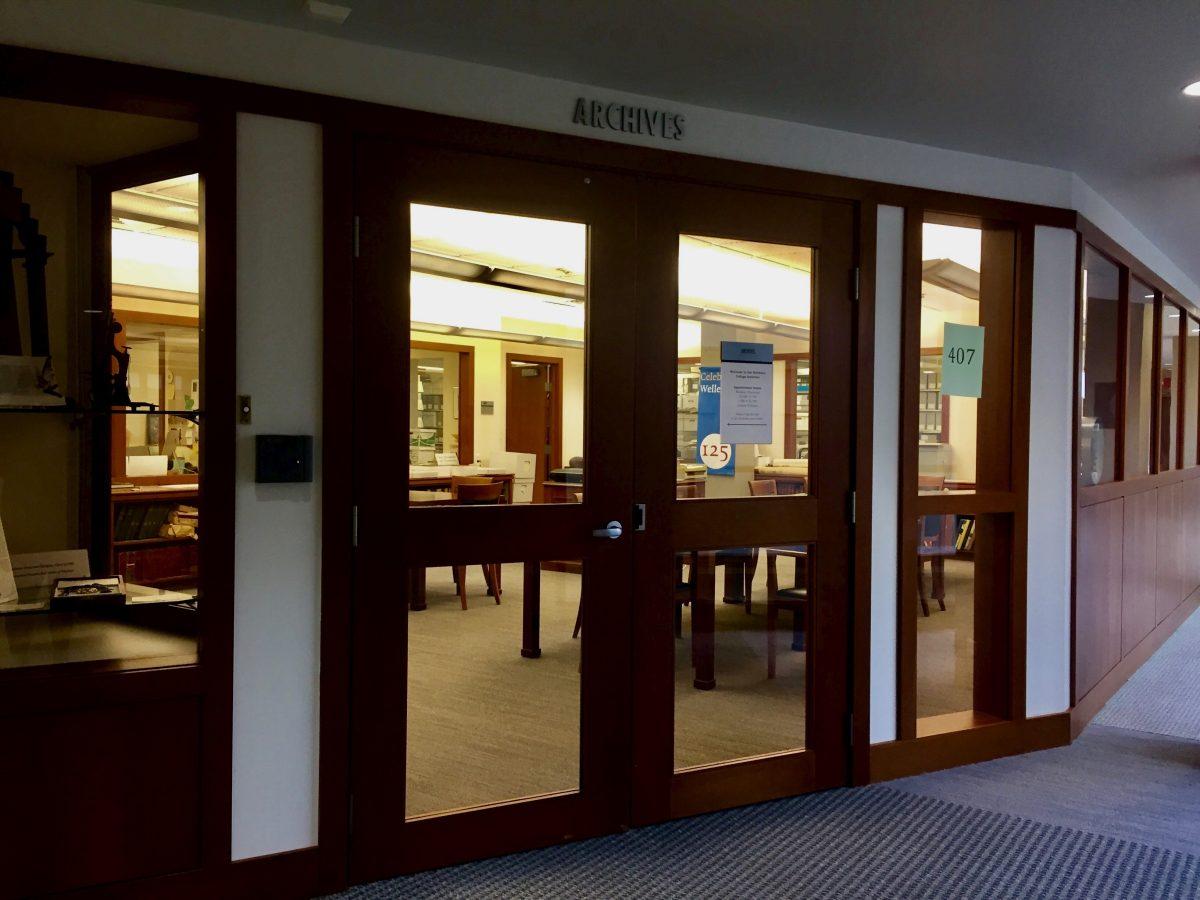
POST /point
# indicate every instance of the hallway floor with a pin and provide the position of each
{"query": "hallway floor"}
(1114, 815)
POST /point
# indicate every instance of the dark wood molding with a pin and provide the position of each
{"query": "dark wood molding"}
(287, 876)
(899, 759)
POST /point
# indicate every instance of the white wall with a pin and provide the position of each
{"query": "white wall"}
(885, 474)
(1048, 676)
(276, 623)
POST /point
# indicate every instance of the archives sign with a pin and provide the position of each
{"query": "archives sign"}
(629, 119)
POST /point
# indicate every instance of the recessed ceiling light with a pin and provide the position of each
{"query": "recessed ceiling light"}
(334, 13)
(1192, 90)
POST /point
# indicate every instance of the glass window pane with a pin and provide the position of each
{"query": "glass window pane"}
(497, 362)
(133, 597)
(1140, 367)
(756, 293)
(962, 605)
(485, 723)
(1168, 391)
(1192, 390)
(1098, 360)
(950, 295)
(741, 626)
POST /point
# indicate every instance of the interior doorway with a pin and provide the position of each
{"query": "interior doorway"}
(533, 409)
(659, 630)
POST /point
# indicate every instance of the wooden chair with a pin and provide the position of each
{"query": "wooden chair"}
(936, 542)
(793, 599)
(763, 487)
(473, 491)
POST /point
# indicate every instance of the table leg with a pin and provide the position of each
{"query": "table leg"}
(704, 616)
(531, 612)
(416, 588)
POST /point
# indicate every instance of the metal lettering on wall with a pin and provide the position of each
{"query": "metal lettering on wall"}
(629, 119)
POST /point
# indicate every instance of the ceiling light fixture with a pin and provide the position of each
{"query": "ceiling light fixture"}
(333, 13)
(1192, 90)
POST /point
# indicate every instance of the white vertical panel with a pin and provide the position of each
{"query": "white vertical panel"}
(1048, 679)
(278, 556)
(885, 497)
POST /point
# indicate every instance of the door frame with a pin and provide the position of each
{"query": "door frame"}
(668, 209)
(391, 174)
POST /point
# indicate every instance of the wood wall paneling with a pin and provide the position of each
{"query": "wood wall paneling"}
(1189, 500)
(1139, 572)
(1098, 614)
(98, 795)
(1169, 593)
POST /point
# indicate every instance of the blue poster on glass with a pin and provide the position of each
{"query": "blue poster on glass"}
(711, 450)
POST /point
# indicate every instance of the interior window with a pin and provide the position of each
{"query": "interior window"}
(1140, 368)
(1098, 382)
(745, 312)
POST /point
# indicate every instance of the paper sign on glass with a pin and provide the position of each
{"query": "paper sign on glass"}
(746, 403)
(962, 360)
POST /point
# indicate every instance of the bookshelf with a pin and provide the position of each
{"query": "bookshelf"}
(687, 401)
(933, 418)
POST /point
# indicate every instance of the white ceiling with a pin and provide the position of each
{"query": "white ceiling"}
(1092, 86)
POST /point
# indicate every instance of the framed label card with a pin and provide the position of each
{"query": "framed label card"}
(962, 360)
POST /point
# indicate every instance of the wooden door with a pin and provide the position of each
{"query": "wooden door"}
(491, 648)
(532, 413)
(742, 589)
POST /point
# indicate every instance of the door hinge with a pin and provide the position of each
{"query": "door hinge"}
(354, 526)
(350, 815)
(639, 517)
(852, 507)
(857, 277)
(356, 229)
(849, 728)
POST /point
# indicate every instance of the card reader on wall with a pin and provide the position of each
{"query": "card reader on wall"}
(283, 458)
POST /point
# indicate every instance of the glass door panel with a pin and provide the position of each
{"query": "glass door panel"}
(494, 569)
(743, 431)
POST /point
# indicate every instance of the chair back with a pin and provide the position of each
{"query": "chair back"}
(479, 494)
(763, 487)
(457, 481)
(931, 482)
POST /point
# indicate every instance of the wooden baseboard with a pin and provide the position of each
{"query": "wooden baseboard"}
(1093, 701)
(898, 759)
(281, 875)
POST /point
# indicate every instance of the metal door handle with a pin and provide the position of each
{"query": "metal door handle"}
(612, 530)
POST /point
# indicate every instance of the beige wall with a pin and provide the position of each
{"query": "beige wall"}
(491, 384)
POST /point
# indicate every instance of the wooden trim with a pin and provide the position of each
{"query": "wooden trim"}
(967, 502)
(288, 876)
(337, 511)
(1122, 373)
(1087, 706)
(218, 467)
(899, 759)
(1089, 495)
(910, 372)
(1156, 423)
(1076, 370)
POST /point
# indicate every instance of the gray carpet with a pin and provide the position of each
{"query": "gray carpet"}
(1164, 696)
(1115, 815)
(869, 843)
